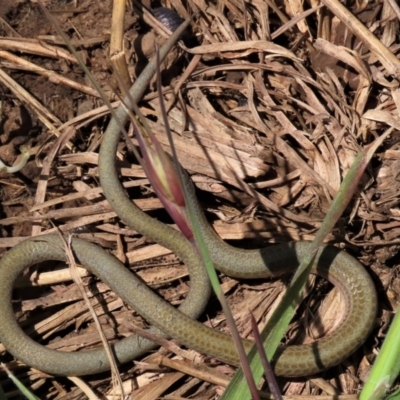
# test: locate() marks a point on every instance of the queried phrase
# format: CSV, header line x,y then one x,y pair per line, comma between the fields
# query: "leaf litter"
x,y
278,99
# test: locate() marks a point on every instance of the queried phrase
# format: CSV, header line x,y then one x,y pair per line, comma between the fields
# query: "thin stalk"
x,y
268,373
203,251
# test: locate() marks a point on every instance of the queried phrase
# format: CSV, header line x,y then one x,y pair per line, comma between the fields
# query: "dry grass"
x,y
276,102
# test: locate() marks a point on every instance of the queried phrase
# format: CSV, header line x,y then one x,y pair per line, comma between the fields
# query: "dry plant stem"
x,y
42,185
191,67
294,21
248,47
51,75
386,57
117,52
117,26
51,278
86,389
9,27
395,6
342,54
76,42
33,46
84,119
200,371
47,119
76,278
324,385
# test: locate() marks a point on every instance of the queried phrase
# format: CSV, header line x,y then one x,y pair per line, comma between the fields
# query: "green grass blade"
x,y
386,367
24,390
394,396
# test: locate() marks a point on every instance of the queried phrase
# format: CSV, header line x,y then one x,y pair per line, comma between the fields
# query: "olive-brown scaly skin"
x,y
335,265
